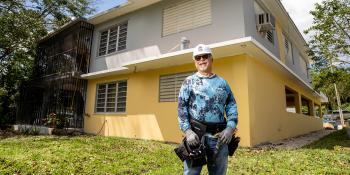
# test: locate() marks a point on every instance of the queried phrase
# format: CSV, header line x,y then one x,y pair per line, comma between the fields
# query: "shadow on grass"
x,y
338,138
9,133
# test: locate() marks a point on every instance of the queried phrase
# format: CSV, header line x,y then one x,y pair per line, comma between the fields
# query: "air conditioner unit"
x,y
264,22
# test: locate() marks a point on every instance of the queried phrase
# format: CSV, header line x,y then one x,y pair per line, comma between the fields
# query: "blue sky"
x,y
102,5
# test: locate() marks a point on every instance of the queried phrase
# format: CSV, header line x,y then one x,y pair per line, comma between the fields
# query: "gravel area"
x,y
295,142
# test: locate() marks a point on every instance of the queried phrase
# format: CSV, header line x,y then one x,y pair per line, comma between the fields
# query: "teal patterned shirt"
x,y
206,99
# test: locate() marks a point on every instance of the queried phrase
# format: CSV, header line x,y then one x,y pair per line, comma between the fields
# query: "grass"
x,y
110,155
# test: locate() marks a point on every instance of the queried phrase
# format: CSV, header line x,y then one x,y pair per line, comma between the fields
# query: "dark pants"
x,y
217,165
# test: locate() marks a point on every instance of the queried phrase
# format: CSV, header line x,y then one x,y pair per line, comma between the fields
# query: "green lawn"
x,y
110,155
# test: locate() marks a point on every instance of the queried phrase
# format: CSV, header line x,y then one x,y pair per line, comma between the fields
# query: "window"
x,y
291,100
286,45
169,86
111,97
259,9
269,36
186,15
306,69
304,66
305,106
317,110
288,49
113,39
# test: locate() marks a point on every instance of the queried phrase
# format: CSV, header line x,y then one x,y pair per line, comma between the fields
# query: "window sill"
x,y
109,113
110,54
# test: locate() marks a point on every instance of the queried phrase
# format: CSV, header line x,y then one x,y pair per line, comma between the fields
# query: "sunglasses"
x,y
199,57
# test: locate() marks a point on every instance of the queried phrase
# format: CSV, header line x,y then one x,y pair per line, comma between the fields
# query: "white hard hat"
x,y
201,49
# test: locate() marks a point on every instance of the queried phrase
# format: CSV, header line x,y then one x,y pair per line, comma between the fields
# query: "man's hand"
x,y
191,138
226,135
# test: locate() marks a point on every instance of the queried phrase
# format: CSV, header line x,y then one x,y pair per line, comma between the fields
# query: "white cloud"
x,y
299,11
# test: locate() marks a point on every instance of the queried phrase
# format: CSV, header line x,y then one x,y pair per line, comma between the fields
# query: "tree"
x,y
330,43
22,24
330,33
324,79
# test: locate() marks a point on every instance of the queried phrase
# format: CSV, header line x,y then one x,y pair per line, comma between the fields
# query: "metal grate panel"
x,y
169,86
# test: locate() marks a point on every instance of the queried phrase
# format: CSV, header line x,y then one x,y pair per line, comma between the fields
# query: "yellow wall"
x,y
269,119
280,39
259,92
147,118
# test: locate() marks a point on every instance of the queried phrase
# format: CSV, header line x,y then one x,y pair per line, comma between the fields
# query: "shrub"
x,y
54,120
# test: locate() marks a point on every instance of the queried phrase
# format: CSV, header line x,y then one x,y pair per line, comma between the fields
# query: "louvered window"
x,y
269,36
113,39
288,49
286,44
304,66
111,97
186,15
169,86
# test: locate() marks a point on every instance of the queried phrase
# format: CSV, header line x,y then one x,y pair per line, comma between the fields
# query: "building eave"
x,y
108,72
324,98
241,46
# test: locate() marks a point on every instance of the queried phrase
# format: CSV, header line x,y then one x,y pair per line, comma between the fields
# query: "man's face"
x,y
204,63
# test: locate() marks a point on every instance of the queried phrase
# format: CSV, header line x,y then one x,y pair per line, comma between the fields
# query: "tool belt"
x,y
197,155
200,127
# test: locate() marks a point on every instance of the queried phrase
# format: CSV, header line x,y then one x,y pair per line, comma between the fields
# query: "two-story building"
x,y
142,51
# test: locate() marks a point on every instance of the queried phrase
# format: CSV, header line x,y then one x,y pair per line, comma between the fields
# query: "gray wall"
x,y
231,19
299,66
145,39
250,28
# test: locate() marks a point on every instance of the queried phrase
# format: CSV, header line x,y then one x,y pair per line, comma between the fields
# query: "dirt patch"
x,y
8,133
67,132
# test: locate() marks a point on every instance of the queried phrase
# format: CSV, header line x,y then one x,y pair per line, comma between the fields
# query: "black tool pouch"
x,y
197,156
198,128
181,150
233,145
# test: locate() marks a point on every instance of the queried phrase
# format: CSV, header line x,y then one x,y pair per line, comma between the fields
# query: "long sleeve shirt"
x,y
206,99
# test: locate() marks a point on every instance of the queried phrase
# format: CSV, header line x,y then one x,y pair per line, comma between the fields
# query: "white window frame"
x,y
116,102
108,38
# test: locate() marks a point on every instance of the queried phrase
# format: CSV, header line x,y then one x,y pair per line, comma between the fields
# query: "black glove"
x,y
191,138
226,135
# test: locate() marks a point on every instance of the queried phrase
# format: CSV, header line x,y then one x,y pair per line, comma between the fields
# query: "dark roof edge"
x,y
62,28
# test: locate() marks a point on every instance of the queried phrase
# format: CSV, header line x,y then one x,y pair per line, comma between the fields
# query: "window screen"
x,y
111,97
113,39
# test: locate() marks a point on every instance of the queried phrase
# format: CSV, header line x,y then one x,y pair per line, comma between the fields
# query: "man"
x,y
204,97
